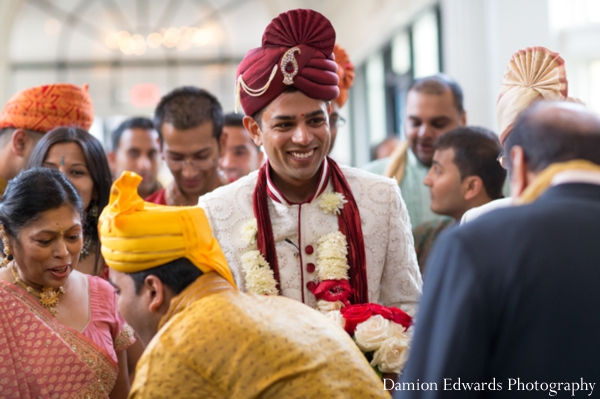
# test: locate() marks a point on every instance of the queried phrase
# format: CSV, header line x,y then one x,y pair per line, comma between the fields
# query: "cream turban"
x,y
532,74
138,235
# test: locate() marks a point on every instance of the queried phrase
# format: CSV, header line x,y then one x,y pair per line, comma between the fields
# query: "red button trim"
x,y
311,285
309,249
310,267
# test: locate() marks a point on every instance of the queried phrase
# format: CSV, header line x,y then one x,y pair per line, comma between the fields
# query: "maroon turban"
x,y
297,50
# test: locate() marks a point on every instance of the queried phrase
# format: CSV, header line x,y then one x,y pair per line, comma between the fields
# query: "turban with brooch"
x,y
137,235
535,73
345,72
44,108
296,51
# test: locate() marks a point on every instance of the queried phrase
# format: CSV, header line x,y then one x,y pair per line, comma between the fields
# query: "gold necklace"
x,y
48,296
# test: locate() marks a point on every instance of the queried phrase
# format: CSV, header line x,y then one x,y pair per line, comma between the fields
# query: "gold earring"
x,y
7,251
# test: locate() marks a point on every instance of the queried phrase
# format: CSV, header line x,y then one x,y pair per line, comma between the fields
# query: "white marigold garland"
x,y
332,263
332,250
259,275
249,232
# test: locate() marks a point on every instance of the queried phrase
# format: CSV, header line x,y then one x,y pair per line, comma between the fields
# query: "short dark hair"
x,y
187,107
138,122
233,119
96,164
476,152
177,275
33,192
549,140
438,84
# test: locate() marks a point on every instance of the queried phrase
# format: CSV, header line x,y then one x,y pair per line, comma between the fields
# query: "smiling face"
x,y
192,155
68,158
46,250
294,131
428,116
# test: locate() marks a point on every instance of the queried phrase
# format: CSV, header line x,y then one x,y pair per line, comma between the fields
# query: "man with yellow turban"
x,y
35,111
512,295
203,337
325,234
532,74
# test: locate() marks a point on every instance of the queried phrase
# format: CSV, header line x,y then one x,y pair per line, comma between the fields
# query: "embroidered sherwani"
x,y
392,272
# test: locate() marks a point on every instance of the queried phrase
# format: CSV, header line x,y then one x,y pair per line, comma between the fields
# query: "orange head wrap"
x,y
345,73
44,108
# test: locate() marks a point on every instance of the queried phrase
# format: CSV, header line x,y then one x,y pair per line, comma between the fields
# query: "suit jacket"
x,y
513,295
392,271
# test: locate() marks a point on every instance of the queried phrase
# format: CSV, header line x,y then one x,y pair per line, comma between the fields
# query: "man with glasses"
x,y
345,73
189,122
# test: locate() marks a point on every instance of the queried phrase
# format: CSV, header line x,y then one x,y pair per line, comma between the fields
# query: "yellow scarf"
x,y
544,180
397,164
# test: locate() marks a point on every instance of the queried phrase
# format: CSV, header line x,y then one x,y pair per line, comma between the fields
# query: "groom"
x,y
279,226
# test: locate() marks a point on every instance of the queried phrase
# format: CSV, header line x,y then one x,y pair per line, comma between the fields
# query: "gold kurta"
x,y
217,342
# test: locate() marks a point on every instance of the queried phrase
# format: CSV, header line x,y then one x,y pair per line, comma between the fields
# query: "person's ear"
x,y
222,144
518,172
155,289
253,129
463,118
112,162
472,186
19,142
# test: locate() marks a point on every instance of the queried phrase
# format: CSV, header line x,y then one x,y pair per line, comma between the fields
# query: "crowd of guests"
x,y
257,211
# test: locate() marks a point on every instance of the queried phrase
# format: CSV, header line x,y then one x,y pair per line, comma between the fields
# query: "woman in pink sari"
x,y
60,333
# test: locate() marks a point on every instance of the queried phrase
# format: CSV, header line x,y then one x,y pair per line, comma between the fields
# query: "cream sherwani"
x,y
392,272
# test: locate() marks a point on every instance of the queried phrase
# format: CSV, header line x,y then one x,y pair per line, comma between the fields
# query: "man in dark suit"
x,y
511,304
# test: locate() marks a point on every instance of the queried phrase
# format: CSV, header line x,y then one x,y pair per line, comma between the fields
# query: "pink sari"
x,y
40,358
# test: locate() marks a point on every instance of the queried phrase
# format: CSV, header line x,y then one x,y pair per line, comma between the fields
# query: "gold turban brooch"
x,y
138,235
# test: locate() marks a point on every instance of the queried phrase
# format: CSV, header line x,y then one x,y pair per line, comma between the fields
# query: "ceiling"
x,y
46,32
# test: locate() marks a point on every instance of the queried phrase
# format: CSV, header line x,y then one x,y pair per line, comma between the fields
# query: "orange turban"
x,y
345,73
532,74
44,108
137,235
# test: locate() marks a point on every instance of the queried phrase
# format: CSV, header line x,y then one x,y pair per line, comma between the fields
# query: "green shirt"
x,y
414,192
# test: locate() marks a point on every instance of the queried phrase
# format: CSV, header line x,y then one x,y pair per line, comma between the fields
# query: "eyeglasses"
x,y
336,120
175,164
502,160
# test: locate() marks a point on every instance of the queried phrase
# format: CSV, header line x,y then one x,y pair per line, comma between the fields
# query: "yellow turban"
x,y
532,74
138,235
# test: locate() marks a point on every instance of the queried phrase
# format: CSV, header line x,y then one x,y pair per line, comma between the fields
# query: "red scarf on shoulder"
x,y
348,224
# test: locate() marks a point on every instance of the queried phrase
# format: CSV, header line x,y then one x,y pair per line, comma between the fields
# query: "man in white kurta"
x,y
285,88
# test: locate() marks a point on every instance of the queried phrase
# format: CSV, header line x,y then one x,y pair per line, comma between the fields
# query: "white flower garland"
x,y
259,275
332,202
332,263
249,232
332,250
